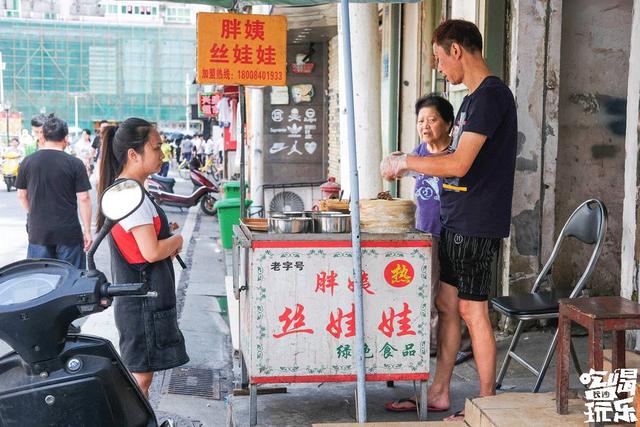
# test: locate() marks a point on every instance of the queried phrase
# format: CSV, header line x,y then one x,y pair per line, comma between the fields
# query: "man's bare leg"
x,y
476,315
448,345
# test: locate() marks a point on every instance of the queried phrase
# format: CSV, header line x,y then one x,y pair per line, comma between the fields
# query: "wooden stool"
x,y
597,315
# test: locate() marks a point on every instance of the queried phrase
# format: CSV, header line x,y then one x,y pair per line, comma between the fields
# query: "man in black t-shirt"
x,y
52,185
475,208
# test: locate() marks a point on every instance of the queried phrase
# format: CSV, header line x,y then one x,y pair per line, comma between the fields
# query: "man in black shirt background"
x,y
52,185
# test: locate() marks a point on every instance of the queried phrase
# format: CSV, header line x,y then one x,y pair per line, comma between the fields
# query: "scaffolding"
x,y
111,71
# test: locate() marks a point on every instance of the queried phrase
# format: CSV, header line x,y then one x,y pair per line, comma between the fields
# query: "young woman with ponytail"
x,y
142,248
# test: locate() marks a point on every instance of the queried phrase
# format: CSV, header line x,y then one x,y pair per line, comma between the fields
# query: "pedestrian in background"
x,y
27,143
177,144
200,147
37,122
167,151
142,248
84,150
209,150
96,145
52,187
187,147
97,139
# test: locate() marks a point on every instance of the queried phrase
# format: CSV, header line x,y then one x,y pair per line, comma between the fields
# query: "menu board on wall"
x,y
295,128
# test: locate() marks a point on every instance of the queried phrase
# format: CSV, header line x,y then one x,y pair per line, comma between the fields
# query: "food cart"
x,y
296,296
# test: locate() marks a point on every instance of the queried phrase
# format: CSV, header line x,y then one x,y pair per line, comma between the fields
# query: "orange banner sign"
x,y
242,49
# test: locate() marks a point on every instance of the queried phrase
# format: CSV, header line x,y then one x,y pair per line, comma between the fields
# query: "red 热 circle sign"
x,y
399,273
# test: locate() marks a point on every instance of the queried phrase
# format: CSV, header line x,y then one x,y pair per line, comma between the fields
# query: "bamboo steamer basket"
x,y
387,216
334,205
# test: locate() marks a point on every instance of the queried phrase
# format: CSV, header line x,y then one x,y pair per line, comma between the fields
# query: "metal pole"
x,y
75,110
186,103
243,120
395,15
2,65
7,113
355,218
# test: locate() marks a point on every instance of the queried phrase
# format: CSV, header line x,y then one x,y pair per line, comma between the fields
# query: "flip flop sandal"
x,y
392,406
463,356
457,416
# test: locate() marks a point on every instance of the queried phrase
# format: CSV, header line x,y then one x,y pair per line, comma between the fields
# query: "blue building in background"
x,y
128,59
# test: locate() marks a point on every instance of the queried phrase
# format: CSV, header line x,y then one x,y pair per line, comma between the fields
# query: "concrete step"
x,y
522,409
406,424
632,360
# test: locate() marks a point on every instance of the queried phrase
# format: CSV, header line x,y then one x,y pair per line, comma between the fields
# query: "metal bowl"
x,y
332,222
289,225
289,214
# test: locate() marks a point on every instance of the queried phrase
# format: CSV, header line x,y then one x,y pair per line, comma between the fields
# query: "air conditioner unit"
x,y
291,198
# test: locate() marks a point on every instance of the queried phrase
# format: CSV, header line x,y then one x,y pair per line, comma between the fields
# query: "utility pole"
x,y
75,110
4,106
7,108
2,66
75,107
187,83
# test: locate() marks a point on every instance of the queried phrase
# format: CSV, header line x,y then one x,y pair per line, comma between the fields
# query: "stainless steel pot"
x,y
289,225
290,214
332,222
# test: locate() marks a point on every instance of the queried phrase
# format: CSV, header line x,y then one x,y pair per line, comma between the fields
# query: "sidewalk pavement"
x,y
307,404
194,394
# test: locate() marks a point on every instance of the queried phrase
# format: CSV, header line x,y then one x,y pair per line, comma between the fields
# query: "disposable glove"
x,y
394,166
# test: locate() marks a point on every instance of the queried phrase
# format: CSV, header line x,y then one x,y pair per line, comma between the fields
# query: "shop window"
x,y
13,9
178,15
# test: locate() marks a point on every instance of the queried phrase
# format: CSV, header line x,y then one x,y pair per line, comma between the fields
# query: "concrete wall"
x,y
591,151
630,236
534,70
410,89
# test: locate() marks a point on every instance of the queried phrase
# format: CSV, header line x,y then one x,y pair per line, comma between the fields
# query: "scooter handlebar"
x,y
128,289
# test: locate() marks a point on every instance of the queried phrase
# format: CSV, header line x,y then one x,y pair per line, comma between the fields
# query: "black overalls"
x,y
150,339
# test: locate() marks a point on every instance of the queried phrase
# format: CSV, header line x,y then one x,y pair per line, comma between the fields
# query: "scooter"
x,y
205,196
161,182
204,192
10,167
199,179
52,378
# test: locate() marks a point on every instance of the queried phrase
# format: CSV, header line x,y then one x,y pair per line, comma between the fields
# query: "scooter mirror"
x,y
121,199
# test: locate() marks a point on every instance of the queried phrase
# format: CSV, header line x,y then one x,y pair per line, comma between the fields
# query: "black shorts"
x,y
465,262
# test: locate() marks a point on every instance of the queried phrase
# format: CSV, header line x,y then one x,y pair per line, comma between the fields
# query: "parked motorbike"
x,y
204,196
10,167
199,179
161,182
204,192
52,378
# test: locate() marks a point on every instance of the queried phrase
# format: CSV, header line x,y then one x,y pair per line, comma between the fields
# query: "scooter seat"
x,y
163,179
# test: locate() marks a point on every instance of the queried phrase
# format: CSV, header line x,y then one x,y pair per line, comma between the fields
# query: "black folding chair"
x,y
587,224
